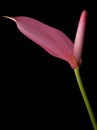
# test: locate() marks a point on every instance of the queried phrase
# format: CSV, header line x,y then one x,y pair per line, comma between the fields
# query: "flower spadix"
x,y
54,41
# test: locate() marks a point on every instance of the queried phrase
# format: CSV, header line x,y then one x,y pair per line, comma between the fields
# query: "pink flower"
x,y
53,40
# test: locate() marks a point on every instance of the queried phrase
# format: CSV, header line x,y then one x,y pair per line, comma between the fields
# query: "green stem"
x,y
85,98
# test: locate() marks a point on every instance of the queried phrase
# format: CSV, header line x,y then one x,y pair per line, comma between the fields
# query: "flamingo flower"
x,y
54,41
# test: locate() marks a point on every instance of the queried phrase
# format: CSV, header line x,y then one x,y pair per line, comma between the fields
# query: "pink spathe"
x,y
53,40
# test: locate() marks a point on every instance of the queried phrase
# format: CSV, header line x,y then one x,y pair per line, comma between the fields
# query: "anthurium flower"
x,y
53,40
59,45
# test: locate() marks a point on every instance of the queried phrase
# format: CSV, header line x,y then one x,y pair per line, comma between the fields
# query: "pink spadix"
x,y
53,40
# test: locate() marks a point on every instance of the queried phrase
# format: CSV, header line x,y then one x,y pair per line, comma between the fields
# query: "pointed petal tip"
x,y
84,11
84,15
10,18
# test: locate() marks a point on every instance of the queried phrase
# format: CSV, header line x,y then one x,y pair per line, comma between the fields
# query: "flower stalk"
x,y
85,98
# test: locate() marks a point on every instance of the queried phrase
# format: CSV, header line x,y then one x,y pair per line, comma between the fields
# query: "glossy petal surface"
x,y
54,41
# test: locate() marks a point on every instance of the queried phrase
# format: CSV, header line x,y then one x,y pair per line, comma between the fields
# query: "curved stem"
x,y
85,98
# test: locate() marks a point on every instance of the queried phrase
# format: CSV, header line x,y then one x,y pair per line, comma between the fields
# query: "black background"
x,y
39,91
